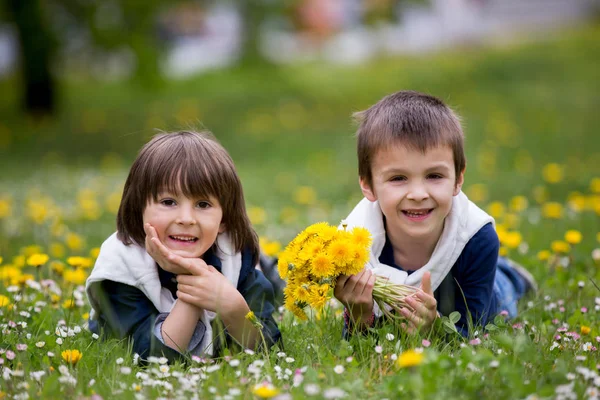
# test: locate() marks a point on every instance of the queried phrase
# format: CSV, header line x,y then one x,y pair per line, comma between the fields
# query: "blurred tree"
x,y
36,46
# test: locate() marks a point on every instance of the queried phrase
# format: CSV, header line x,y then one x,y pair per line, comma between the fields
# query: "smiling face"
x,y
187,226
414,190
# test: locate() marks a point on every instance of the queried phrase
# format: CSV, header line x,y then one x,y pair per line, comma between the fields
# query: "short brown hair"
x,y
191,162
416,120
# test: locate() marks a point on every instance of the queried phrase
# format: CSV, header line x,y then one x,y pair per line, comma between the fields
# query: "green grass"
x,y
523,107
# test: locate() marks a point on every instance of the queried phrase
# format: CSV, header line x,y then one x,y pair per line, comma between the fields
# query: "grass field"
x,y
530,114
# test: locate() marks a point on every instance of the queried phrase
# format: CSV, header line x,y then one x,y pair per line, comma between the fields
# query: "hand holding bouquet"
x,y
312,262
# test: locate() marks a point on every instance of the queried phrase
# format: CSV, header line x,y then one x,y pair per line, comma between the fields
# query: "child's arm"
x,y
204,288
356,293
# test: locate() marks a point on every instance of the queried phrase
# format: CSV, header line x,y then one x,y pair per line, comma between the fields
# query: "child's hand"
x,y
160,253
356,293
208,289
425,308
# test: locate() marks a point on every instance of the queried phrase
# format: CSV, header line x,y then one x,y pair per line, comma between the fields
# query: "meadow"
x,y
530,113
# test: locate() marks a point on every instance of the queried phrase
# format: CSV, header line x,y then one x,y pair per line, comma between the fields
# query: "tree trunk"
x,y
36,46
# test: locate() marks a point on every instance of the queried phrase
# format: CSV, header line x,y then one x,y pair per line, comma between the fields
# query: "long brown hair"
x,y
198,166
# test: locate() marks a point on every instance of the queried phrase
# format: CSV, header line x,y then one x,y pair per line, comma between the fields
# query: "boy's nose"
x,y
417,193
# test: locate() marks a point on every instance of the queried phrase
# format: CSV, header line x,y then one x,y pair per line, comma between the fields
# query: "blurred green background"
x,y
529,106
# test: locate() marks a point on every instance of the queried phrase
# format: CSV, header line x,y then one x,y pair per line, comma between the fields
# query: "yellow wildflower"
x,y
9,272
576,201
573,237
477,193
301,293
543,255
409,358
502,251
553,173
94,252
361,256
361,236
519,203
257,215
265,390
57,250
340,251
74,241
512,239
4,301
305,195
595,185
540,194
585,330
1,259
496,209
552,210
288,215
71,356
5,208
36,260
558,246
322,266
82,262
318,296
31,250
69,303
75,276
57,266
21,279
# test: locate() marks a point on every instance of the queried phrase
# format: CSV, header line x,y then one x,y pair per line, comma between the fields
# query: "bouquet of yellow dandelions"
x,y
312,262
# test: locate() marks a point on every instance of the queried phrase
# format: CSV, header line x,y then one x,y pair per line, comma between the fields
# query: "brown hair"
x,y
416,120
196,164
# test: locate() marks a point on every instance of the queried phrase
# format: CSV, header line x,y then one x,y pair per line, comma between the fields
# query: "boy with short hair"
x,y
426,232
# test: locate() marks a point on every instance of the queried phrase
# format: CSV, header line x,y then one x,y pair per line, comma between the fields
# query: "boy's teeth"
x,y
416,214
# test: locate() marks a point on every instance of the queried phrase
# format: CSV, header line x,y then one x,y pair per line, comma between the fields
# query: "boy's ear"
x,y
460,179
222,227
368,192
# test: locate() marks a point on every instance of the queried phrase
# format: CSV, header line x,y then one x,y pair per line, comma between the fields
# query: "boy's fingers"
x,y
429,301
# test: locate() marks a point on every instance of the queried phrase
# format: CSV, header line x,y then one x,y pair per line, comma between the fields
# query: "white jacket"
x,y
133,266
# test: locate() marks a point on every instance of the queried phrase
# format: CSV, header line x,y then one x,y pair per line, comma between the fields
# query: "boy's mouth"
x,y
185,239
417,213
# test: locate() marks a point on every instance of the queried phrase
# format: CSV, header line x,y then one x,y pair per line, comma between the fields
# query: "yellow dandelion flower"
x,y
1,259
502,251
265,390
71,356
94,252
553,173
257,215
57,250
361,236
552,210
576,201
585,330
301,293
283,266
519,203
478,193
4,301
81,262
512,239
57,267
305,195
543,255
318,296
37,260
31,250
74,241
75,276
21,279
409,358
19,261
340,252
310,250
573,237
322,266
297,311
9,272
595,185
558,246
496,209
68,304
361,256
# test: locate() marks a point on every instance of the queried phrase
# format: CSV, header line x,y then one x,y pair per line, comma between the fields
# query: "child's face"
x,y
414,189
187,226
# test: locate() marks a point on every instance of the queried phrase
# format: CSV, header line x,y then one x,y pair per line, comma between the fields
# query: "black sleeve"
x,y
126,313
258,293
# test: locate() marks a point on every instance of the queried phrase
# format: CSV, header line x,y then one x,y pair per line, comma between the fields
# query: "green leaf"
x,y
454,316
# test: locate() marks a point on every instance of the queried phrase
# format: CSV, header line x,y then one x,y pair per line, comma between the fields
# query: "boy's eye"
x,y
435,176
398,178
203,204
167,202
